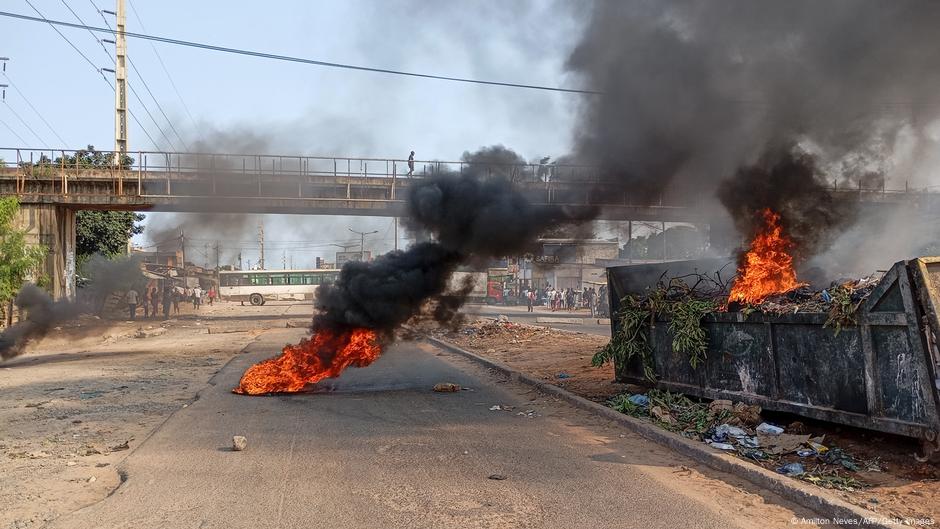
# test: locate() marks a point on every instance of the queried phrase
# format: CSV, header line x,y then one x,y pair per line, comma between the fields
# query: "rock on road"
x,y
378,448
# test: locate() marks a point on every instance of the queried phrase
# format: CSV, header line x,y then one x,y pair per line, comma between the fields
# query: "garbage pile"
x,y
502,327
737,428
807,299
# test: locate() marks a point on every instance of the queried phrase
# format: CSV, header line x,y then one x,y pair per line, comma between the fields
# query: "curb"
x,y
789,489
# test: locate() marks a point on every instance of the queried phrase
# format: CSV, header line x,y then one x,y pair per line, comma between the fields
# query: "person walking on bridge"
x,y
411,163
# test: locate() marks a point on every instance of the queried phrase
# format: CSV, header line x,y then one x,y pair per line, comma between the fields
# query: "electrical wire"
x,y
28,102
301,60
142,80
129,84
160,59
106,80
4,123
23,121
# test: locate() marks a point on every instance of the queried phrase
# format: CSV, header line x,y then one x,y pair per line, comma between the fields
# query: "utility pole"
x,y
205,256
261,243
362,242
284,260
120,85
217,264
396,233
182,250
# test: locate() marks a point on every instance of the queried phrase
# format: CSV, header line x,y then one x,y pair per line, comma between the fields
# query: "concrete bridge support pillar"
x,y
54,227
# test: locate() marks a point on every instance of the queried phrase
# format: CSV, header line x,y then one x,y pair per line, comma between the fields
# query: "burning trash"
x,y
325,355
768,264
359,313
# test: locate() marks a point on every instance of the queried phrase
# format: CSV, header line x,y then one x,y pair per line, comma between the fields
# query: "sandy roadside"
x,y
79,401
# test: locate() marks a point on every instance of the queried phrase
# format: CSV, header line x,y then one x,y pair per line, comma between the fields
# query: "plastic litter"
x,y
769,429
496,408
446,387
818,448
826,297
726,430
721,446
562,375
806,452
639,400
792,469
749,442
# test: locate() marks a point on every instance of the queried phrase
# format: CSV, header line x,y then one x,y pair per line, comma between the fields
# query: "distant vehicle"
x,y
260,286
478,279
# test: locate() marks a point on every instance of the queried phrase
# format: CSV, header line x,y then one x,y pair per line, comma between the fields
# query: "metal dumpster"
x,y
881,374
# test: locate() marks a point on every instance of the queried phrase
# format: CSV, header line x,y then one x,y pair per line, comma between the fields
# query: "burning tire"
x,y
256,299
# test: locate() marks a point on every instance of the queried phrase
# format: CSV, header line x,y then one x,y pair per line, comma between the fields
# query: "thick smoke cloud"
x,y
42,313
695,91
788,182
470,216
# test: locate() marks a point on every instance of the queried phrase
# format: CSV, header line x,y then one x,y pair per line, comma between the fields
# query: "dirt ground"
x,y
81,399
901,487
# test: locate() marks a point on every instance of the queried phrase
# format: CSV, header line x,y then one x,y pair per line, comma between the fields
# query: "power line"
x,y
74,47
301,60
28,102
139,76
162,64
130,86
23,121
4,123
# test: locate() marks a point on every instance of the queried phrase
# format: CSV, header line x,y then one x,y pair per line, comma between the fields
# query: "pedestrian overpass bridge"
x,y
53,185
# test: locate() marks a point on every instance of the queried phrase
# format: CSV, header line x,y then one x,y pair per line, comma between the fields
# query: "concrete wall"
x,y
54,227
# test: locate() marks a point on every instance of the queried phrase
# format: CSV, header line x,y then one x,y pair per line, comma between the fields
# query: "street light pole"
x,y
362,241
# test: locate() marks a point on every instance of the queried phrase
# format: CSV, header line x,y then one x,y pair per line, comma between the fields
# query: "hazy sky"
x,y
297,108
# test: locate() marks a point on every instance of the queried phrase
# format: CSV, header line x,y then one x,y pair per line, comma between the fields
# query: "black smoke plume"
x,y
42,313
470,217
788,182
698,96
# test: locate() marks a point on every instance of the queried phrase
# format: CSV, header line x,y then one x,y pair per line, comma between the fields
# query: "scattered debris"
x,y
496,407
729,427
446,387
562,375
768,429
497,477
792,469
123,446
239,443
92,479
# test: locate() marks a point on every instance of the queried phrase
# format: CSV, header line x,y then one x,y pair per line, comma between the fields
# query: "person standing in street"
x,y
530,296
154,302
411,163
197,297
167,301
146,302
132,299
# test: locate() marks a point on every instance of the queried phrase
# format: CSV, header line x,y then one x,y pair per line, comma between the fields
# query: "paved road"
x,y
377,448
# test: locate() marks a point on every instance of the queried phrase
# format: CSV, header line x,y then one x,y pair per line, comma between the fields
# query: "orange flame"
x,y
324,355
768,265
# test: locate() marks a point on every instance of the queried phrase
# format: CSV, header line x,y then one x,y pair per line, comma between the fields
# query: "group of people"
x,y
569,299
169,298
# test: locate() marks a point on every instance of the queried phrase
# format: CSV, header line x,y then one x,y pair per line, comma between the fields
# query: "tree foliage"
x,y
105,232
18,260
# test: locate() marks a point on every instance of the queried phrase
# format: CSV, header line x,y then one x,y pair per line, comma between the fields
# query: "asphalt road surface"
x,y
378,448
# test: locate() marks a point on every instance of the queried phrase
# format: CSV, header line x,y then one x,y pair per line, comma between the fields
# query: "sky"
x,y
300,109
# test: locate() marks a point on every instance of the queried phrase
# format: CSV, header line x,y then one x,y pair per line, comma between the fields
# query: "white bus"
x,y
259,286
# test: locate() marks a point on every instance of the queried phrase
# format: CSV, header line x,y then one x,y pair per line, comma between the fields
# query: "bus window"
x,y
330,277
259,279
295,279
278,279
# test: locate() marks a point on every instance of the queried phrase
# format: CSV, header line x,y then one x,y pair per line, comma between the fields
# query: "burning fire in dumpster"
x,y
325,355
767,266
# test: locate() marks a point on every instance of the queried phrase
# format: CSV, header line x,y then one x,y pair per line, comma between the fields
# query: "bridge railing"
x,y
54,171
183,164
